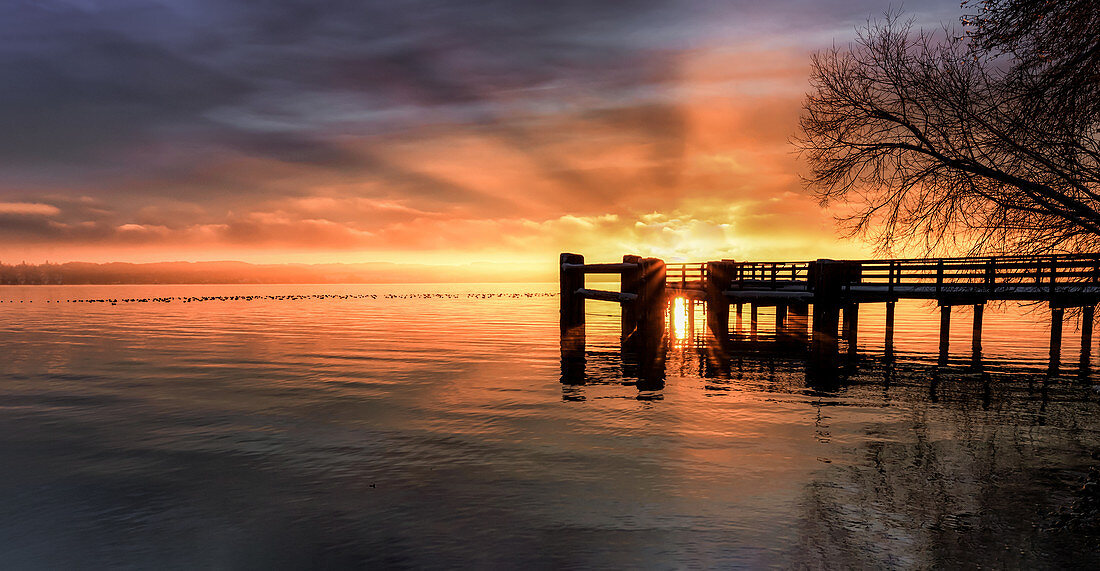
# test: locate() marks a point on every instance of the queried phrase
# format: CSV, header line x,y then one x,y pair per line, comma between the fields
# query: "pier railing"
x,y
766,274
686,276
1001,277
1015,277
769,274
835,286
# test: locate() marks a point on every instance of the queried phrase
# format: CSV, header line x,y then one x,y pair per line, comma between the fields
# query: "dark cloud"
x,y
73,94
82,80
177,115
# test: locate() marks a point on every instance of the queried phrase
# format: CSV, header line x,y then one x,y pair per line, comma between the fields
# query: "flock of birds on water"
x,y
297,297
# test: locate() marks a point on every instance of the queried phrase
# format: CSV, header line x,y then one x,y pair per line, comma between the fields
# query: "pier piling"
x,y
798,323
945,333
888,342
572,320
572,305
976,335
1056,315
651,300
1087,315
781,324
718,278
825,276
631,282
851,328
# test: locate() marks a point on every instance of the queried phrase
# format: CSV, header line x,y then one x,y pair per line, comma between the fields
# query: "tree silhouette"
x,y
936,140
1054,44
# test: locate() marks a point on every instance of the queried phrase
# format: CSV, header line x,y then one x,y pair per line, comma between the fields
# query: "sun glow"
x,y
680,319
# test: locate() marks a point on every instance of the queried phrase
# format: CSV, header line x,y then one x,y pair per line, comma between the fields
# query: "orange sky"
x,y
193,130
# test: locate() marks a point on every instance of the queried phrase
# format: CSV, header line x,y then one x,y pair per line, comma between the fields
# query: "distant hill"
x,y
245,273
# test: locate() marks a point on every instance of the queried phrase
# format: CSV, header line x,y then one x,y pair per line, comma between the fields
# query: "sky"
x,y
425,132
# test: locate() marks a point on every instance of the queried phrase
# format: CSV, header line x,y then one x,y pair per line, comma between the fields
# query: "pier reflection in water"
x,y
921,462
1017,333
425,426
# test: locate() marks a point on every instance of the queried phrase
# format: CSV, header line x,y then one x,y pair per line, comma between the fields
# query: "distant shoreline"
x,y
524,282
243,273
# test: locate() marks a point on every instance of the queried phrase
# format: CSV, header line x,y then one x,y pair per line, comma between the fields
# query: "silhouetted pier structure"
x,y
835,290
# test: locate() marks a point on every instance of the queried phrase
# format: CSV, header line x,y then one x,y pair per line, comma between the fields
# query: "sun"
x,y
680,319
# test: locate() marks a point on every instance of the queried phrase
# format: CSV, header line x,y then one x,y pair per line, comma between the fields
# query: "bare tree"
x,y
924,144
1054,43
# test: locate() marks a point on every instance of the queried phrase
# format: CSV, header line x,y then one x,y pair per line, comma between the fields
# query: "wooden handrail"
x,y
603,295
599,268
985,273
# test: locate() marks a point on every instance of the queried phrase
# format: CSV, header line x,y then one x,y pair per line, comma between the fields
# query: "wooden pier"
x,y
832,288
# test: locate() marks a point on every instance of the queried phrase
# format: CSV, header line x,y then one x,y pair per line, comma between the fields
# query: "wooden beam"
x,y
603,295
775,296
599,268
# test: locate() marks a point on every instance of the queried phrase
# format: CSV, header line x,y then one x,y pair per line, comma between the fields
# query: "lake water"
x,y
427,431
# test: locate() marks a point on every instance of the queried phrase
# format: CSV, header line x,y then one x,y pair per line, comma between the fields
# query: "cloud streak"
x,y
488,129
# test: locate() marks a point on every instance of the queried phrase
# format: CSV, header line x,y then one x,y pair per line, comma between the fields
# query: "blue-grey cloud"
x,y
112,109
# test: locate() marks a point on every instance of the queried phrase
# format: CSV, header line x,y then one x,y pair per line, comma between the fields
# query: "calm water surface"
x,y
434,432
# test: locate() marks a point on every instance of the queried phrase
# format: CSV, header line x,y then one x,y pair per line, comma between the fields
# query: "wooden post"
x,y
845,321
644,342
689,305
1056,315
716,359
825,278
651,308
739,325
889,341
641,306
1053,274
945,333
781,324
798,323
1087,314
631,283
718,306
571,320
851,314
976,335
752,321
572,305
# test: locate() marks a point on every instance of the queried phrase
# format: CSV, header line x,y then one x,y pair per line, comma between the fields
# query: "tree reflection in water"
x,y
951,465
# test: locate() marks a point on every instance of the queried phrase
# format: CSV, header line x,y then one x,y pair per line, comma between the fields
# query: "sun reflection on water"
x,y
679,319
